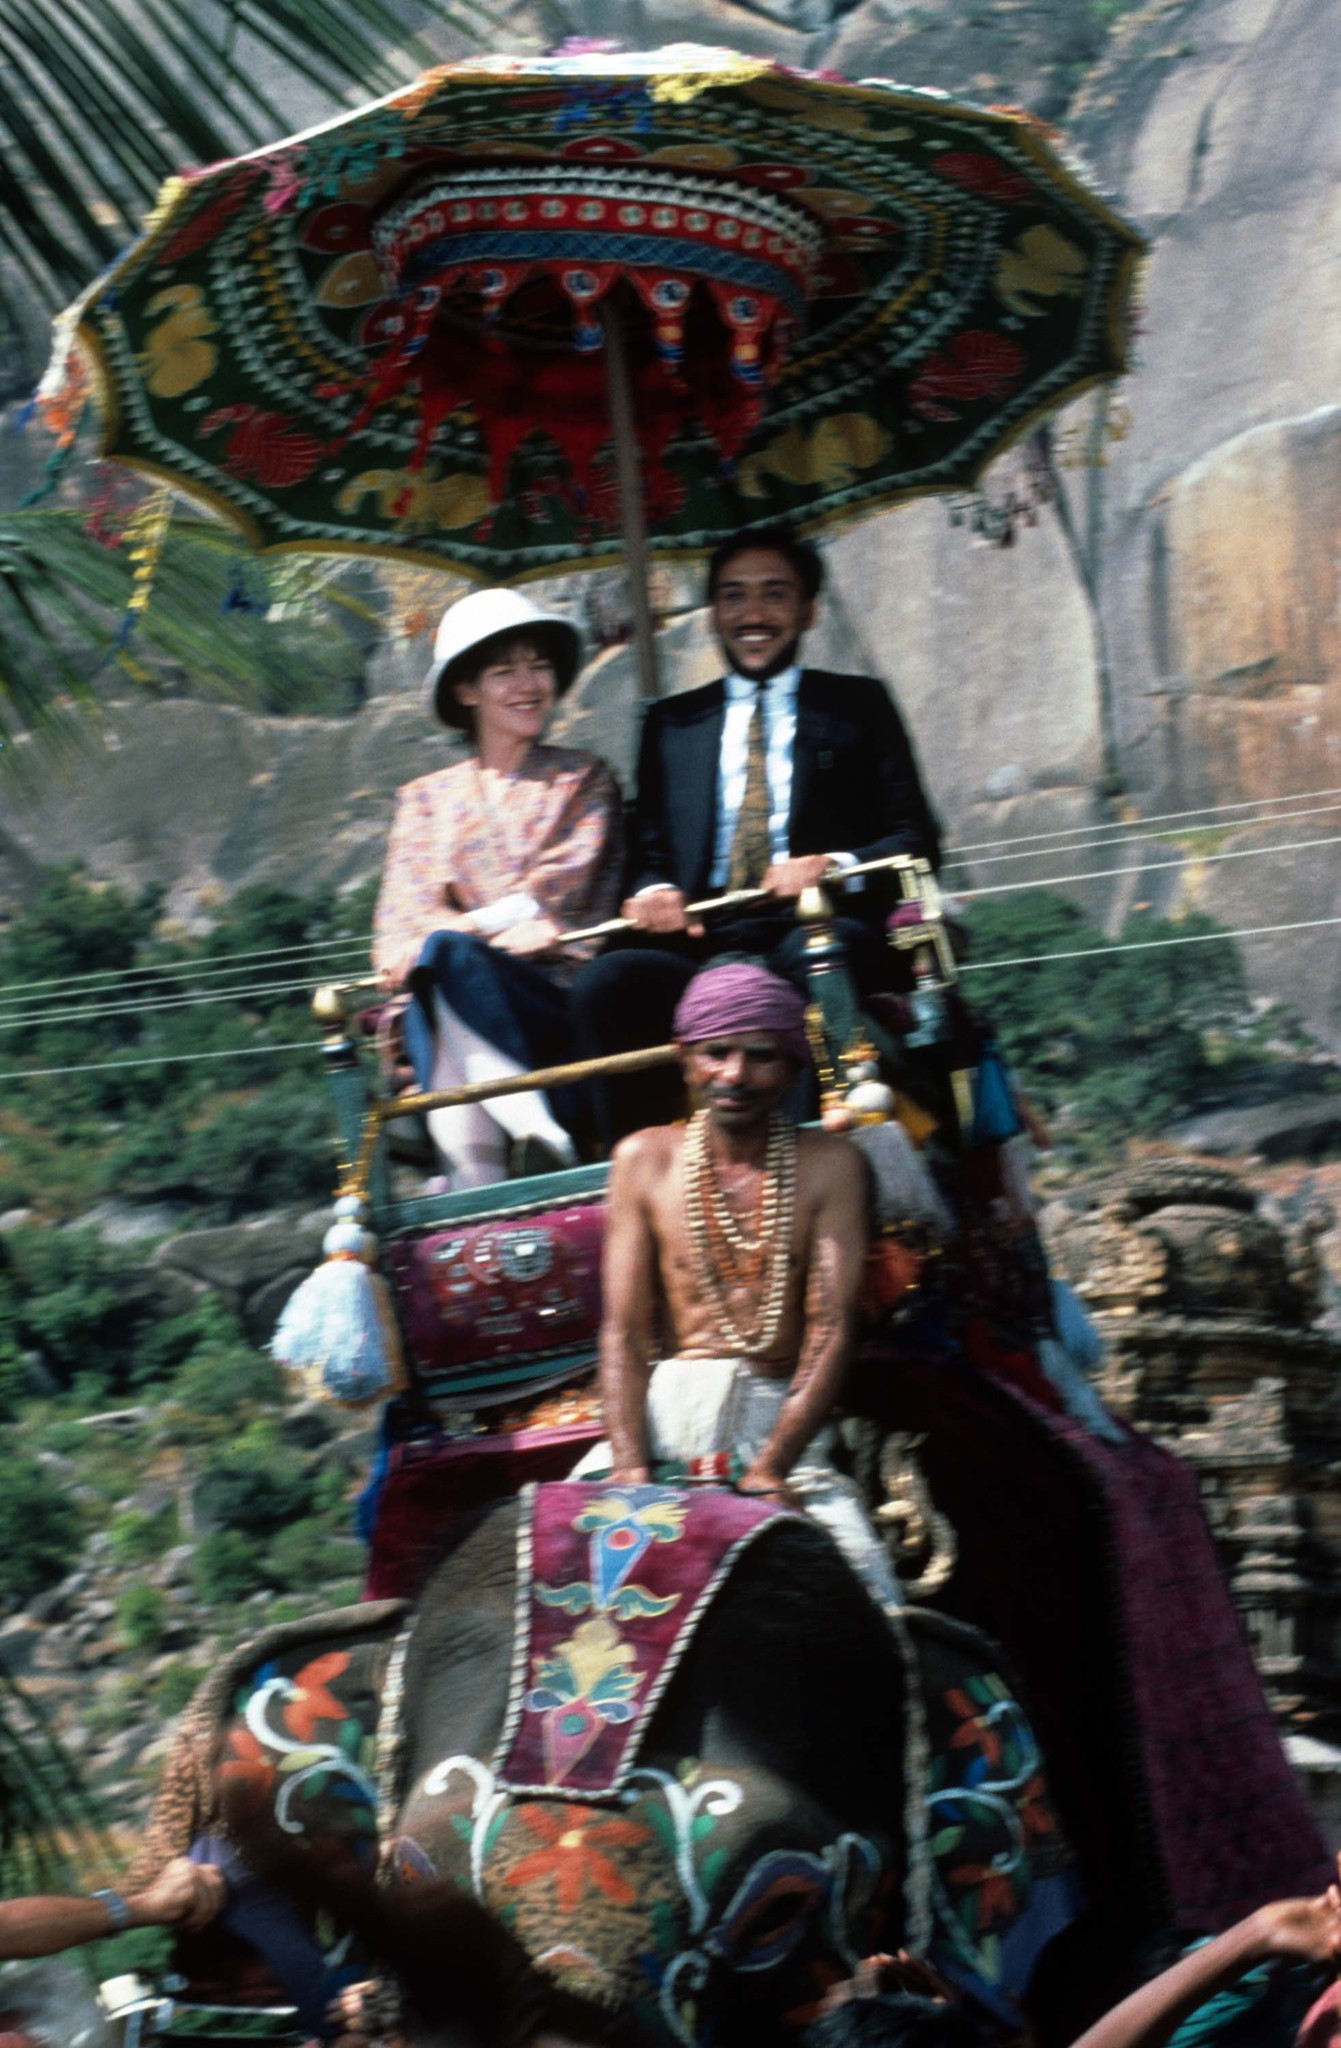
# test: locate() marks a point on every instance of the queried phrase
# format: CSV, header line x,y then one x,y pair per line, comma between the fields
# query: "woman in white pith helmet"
x,y
489,862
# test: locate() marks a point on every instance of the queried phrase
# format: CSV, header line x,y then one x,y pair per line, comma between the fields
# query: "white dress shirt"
x,y
732,763
780,694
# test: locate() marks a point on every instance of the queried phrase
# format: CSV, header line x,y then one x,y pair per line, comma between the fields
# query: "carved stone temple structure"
x,y
1211,1316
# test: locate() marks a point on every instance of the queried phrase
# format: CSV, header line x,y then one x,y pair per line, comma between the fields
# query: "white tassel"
x,y
337,1337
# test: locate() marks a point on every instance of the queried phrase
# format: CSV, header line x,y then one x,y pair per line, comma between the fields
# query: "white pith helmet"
x,y
487,615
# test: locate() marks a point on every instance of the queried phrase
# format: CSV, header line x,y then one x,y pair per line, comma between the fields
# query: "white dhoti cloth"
x,y
702,1407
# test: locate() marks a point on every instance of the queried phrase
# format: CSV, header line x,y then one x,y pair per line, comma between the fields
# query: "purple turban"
x,y
723,1001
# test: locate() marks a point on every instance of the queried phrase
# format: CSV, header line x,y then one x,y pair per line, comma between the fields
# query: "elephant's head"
x,y
754,1850
701,1891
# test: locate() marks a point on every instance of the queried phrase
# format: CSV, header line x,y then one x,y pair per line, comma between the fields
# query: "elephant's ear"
x,y
53,1834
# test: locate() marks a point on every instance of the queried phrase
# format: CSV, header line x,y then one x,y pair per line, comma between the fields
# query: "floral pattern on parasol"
x,y
384,335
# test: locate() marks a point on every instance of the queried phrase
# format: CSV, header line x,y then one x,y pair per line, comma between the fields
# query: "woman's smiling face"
x,y
512,695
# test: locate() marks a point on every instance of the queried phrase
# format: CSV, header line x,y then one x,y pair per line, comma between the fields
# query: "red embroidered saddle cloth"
x,y
612,1582
502,1308
506,1307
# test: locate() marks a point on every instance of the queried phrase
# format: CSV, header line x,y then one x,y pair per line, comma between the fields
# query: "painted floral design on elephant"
x,y
640,1879
990,1817
574,1855
297,1745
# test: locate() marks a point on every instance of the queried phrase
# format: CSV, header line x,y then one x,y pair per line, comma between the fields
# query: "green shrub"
x,y
253,1489
39,1530
67,1297
174,1126
309,1553
148,1158
330,1489
13,1379
176,1686
274,1151
224,1379
76,927
90,1392
111,1462
60,1433
227,1568
135,1536
139,1952
167,1344
116,1707
284,1608
141,1616
1119,1043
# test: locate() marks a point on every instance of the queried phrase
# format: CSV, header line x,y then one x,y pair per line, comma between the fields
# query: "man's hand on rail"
x,y
660,910
791,877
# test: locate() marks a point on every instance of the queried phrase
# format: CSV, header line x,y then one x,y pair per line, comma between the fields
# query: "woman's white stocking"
x,y
473,1139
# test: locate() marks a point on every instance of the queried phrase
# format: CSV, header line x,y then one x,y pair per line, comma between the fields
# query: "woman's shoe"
x,y
531,1156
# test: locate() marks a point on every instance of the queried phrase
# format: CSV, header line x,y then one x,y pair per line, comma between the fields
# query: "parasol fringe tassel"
x,y
59,402
144,539
337,1337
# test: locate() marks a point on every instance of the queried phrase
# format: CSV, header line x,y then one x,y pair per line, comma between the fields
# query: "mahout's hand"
x,y
630,1475
761,1479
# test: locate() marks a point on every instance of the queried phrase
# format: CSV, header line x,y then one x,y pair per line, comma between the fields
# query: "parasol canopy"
x,y
389,334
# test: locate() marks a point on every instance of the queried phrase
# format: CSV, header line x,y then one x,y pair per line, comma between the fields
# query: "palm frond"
x,y
53,1833
212,621
99,102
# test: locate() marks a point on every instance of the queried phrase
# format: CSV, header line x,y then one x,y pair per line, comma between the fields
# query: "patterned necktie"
x,y
752,842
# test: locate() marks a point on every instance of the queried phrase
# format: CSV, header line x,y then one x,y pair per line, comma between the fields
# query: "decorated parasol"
x,y
402,332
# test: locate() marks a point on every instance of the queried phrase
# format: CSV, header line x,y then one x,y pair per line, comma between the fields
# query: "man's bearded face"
x,y
740,1077
759,612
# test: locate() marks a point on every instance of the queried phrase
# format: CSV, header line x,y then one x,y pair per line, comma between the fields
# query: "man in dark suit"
x,y
770,778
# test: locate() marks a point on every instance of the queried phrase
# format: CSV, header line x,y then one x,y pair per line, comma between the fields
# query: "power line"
x,y
1142,838
150,998
1146,867
157,1008
170,1059
189,969
1251,931
1159,818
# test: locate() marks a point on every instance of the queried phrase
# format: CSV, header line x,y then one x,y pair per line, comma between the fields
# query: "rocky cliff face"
x,y
1166,633
1217,516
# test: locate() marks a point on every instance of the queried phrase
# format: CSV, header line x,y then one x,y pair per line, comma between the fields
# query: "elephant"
x,y
801,1788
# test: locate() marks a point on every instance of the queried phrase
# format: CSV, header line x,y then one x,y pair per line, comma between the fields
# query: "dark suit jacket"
x,y
855,785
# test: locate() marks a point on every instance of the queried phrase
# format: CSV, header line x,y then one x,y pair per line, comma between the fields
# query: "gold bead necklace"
x,y
728,1256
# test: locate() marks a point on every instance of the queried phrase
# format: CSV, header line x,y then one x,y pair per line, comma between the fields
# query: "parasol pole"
x,y
628,469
